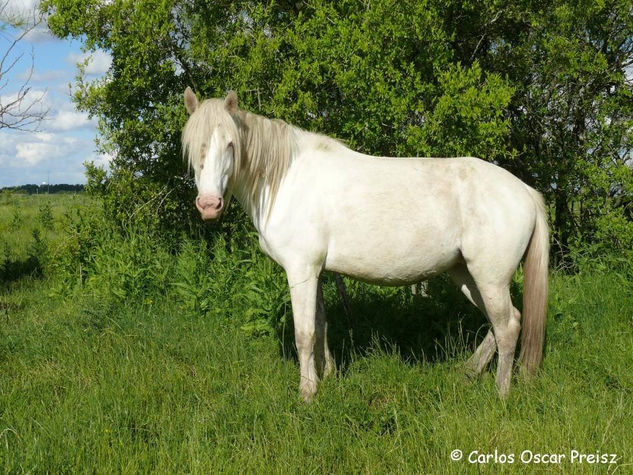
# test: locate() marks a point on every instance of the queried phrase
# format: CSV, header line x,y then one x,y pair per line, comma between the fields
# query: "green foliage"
x,y
96,179
133,267
83,230
129,264
539,89
16,220
38,249
572,116
45,216
467,117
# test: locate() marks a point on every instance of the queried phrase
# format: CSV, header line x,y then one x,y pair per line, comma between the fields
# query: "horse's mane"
x,y
264,150
269,147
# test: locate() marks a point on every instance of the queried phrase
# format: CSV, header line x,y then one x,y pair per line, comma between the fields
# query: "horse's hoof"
x,y
471,372
330,368
307,397
307,391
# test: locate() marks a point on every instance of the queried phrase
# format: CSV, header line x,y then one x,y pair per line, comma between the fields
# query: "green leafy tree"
x,y
538,87
572,112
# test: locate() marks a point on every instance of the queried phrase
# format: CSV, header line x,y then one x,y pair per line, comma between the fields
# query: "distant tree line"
x,y
32,189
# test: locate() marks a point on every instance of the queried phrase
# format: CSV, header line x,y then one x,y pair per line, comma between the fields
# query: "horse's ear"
x,y
191,101
230,103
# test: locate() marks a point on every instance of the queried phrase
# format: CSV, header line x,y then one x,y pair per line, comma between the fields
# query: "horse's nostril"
x,y
209,202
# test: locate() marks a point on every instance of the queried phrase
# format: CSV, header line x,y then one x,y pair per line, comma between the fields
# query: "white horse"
x,y
318,205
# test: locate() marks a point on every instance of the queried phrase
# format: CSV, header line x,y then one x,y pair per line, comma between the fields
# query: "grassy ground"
x,y
26,221
92,384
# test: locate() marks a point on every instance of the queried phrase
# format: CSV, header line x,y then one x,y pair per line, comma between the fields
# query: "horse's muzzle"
x,y
210,206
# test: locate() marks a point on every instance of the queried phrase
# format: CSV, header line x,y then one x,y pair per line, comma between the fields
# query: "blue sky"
x,y
65,140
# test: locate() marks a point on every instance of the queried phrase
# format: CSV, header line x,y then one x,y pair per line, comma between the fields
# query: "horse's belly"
x,y
403,260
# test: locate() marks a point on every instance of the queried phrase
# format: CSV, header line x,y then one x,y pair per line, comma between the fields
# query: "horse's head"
x,y
211,141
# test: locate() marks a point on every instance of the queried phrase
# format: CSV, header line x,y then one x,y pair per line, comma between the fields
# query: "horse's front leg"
x,y
303,293
325,362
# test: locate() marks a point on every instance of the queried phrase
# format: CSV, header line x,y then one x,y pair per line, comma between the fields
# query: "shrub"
x,y
17,219
46,216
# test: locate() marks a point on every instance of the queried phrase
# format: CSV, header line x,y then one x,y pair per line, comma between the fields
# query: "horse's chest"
x,y
266,247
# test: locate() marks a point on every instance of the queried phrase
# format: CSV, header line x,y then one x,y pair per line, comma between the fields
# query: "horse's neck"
x,y
256,208
254,195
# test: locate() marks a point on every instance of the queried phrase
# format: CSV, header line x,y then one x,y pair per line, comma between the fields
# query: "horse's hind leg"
x,y
487,348
482,356
325,361
506,327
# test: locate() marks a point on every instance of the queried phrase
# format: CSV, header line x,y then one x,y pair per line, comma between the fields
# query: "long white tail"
x,y
535,271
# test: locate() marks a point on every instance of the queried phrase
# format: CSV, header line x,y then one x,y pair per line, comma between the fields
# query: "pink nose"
x,y
210,206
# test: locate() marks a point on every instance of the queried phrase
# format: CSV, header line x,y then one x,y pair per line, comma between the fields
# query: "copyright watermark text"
x,y
532,457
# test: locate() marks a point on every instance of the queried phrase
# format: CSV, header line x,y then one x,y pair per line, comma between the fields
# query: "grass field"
x,y
95,384
26,221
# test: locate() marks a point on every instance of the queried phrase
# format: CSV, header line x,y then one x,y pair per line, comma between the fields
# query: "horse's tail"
x,y
535,271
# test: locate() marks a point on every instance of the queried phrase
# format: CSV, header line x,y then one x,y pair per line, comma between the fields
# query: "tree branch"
x,y
19,111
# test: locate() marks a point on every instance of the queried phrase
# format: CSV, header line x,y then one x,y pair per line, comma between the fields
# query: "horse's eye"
x,y
201,166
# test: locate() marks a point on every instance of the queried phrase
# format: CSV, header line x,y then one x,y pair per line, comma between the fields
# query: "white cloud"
x,y
19,9
49,76
61,116
27,14
22,5
30,153
102,160
98,62
32,158
33,152
8,141
65,120
44,136
40,34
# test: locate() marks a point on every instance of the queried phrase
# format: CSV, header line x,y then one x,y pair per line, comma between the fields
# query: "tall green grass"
x,y
181,360
32,227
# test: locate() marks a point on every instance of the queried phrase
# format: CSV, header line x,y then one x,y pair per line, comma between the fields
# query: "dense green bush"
x,y
538,87
128,259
